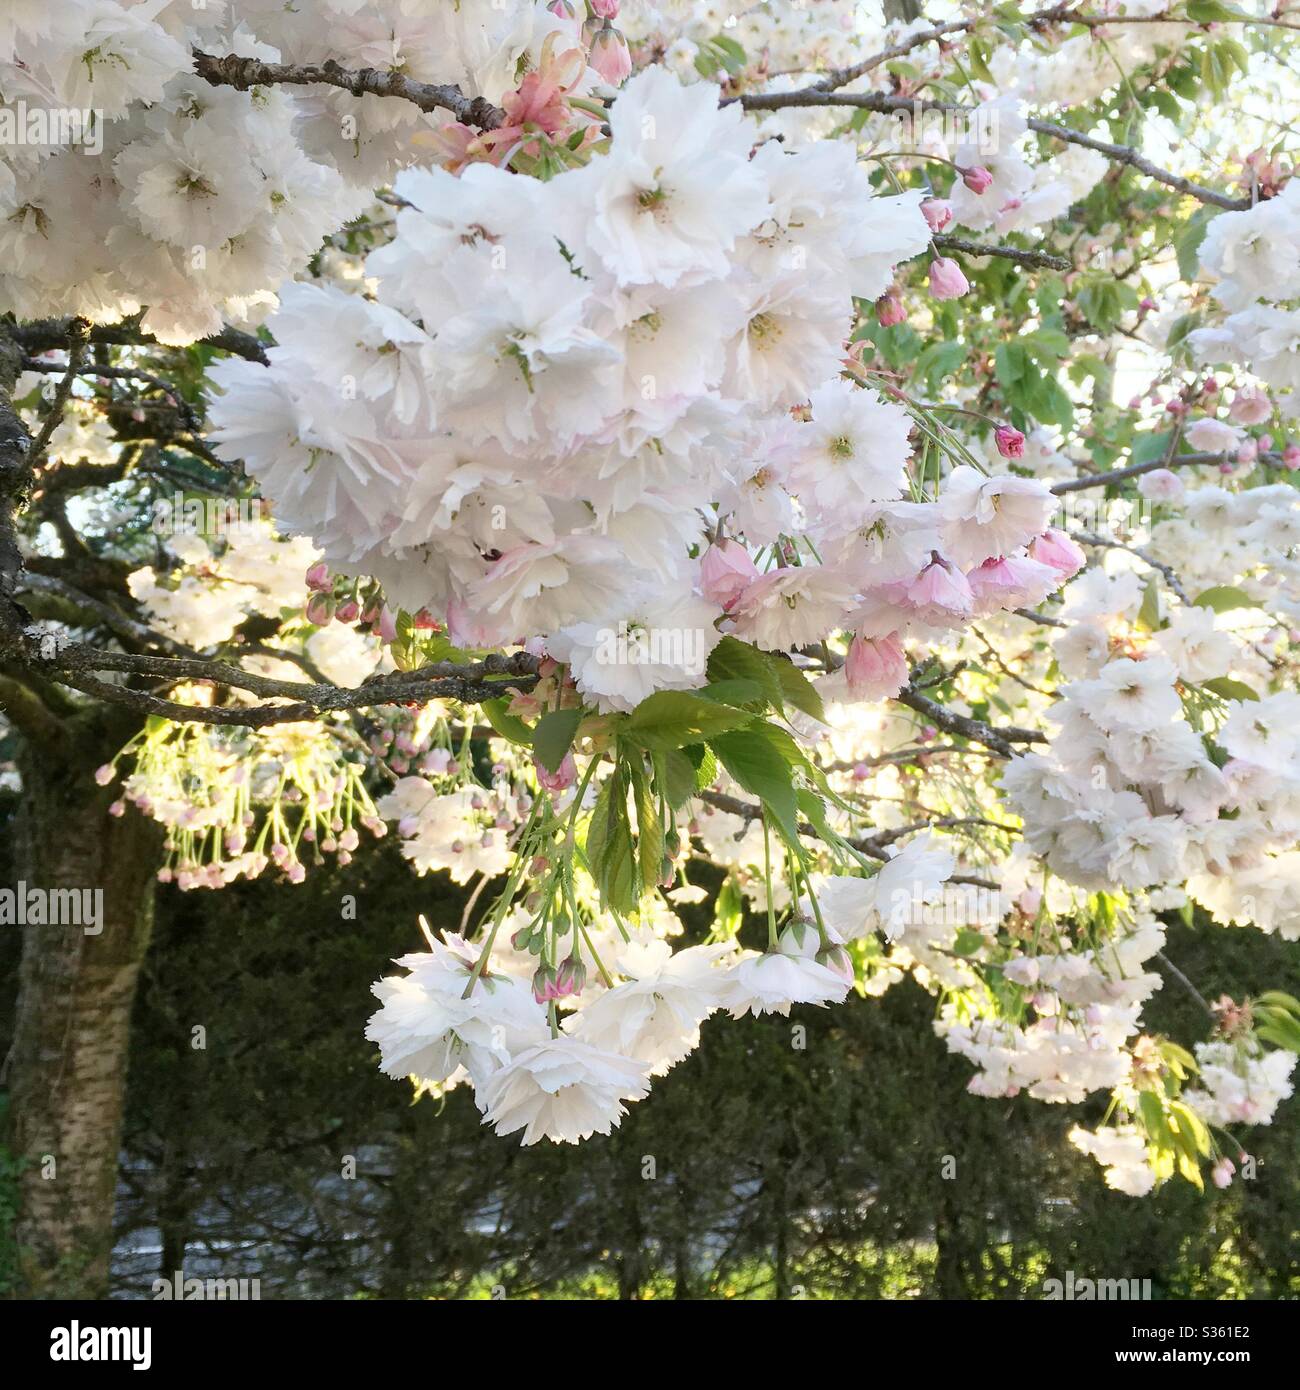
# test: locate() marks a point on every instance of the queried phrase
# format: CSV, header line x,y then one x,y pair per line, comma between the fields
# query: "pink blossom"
x,y
1221,1173
937,212
725,572
561,779
939,595
320,609
1010,582
1291,457
946,279
890,310
1010,442
1250,406
318,577
977,178
1161,485
876,667
1058,552
609,55
387,624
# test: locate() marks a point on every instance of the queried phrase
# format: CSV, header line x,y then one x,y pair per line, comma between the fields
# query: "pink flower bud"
x,y
387,624
937,212
609,55
1221,1173
890,310
977,178
946,279
605,9
104,774
560,780
1291,457
570,977
726,570
320,609
318,577
348,611
1010,442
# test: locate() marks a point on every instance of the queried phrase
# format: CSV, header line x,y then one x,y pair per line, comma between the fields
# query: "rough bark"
x,y
66,1071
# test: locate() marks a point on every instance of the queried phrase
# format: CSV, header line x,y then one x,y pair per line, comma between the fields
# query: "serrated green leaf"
x,y
553,736
674,718
799,691
608,846
733,659
649,829
752,758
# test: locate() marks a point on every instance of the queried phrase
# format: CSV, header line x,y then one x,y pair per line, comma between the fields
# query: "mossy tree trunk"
x,y
66,1070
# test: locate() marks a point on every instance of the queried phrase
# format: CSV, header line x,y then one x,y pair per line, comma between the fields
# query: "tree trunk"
x,y
66,1070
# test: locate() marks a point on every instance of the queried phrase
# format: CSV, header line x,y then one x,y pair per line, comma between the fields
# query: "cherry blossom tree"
x,y
850,448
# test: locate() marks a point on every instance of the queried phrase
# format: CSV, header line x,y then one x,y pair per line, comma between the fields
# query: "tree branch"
x,y
887,104
1010,253
243,73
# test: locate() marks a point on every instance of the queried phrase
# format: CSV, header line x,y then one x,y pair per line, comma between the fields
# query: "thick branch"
x,y
74,664
243,73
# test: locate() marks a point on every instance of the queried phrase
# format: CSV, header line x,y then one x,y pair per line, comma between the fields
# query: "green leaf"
x,y
674,718
1222,597
798,690
743,693
1228,689
609,846
733,659
729,909
649,829
1148,616
1191,1124
553,736
678,780
1208,11
753,760
509,726
813,810
1187,243
706,765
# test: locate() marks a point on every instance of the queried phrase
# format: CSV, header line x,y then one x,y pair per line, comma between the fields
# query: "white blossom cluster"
x,y
561,386
1253,258
129,184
